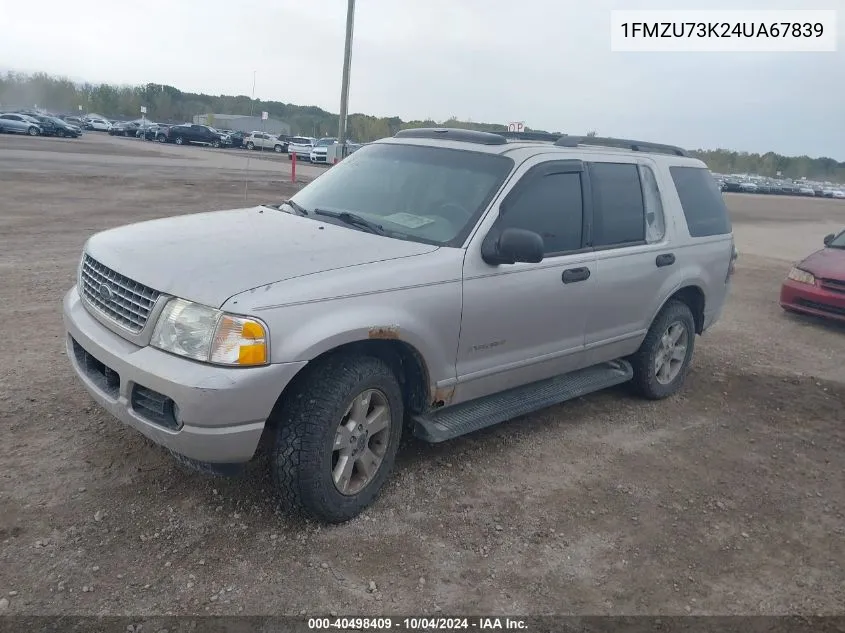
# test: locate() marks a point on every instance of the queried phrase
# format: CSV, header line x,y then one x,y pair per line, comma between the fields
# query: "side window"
x,y
618,209
551,205
655,222
702,202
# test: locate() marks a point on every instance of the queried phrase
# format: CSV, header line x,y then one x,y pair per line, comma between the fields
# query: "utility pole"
x,y
344,89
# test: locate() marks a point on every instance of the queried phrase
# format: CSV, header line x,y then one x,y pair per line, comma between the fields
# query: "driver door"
x,y
525,322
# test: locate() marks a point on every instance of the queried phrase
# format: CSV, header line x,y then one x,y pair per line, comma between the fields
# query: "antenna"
x,y
251,110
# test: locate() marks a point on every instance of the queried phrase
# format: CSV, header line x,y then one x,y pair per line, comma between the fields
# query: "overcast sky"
x,y
545,62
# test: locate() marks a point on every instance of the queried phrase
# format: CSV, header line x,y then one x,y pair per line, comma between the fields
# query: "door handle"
x,y
575,274
666,259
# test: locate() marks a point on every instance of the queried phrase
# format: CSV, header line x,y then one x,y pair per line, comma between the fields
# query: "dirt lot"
x,y
729,498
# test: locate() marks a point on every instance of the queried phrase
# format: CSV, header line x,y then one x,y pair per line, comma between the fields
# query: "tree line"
x,y
170,105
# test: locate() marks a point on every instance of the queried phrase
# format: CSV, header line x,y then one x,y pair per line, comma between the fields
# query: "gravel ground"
x,y
725,499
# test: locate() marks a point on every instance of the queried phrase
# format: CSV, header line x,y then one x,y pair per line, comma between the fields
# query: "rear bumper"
x,y
221,411
813,300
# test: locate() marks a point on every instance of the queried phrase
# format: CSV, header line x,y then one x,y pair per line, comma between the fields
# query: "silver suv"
x,y
437,282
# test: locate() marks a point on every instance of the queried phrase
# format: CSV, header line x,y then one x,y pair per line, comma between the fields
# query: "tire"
x,y
303,457
178,140
215,144
278,149
161,138
646,380
250,145
32,131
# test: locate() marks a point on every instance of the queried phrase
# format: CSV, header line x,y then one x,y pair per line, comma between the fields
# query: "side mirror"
x,y
512,246
829,238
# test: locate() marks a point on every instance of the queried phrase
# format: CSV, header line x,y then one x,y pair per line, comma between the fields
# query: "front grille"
x,y
106,378
821,307
834,285
155,407
119,298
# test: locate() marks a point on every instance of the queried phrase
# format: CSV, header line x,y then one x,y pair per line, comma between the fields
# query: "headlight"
x,y
209,335
801,276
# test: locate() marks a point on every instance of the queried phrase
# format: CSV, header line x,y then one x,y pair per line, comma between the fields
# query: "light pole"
x,y
344,88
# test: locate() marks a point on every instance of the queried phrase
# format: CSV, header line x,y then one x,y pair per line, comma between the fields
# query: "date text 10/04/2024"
x,y
418,623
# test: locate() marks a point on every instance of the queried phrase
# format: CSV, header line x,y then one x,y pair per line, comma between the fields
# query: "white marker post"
x,y
144,120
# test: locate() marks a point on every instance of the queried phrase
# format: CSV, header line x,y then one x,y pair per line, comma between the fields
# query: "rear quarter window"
x,y
704,208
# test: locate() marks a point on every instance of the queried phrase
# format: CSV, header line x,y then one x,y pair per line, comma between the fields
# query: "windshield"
x,y
838,241
425,194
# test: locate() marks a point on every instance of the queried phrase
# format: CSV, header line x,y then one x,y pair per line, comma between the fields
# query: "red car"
x,y
817,284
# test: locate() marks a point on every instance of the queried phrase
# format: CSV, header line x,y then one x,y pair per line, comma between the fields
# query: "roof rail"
x,y
531,136
622,143
453,134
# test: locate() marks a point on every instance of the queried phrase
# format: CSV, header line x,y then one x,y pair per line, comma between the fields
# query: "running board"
x,y
467,417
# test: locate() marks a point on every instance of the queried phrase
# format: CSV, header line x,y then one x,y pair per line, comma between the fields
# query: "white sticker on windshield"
x,y
409,221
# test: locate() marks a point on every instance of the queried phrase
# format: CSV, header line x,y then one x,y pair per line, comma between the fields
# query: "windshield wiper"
x,y
295,206
353,220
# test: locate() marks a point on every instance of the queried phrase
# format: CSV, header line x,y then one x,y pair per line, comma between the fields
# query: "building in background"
x,y
242,123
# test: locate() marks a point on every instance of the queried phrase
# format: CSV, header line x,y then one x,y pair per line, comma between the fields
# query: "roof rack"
x,y
453,134
531,136
622,143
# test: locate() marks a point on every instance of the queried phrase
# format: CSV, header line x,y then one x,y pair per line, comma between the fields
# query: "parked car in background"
x,y
73,120
300,146
61,128
816,285
262,140
319,152
188,133
13,123
237,138
99,125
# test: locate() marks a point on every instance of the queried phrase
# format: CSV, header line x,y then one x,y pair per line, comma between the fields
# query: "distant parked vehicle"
x,y
188,133
73,120
238,138
12,123
99,125
301,147
62,128
262,140
806,191
319,152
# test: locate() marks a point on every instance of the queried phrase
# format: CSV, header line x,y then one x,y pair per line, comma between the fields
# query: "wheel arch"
x,y
693,296
404,359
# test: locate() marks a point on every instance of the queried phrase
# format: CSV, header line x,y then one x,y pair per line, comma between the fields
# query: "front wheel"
x,y
250,145
278,149
337,437
215,144
33,131
662,362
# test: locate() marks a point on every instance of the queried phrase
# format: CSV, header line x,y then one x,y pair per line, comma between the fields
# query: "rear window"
x,y
298,140
702,202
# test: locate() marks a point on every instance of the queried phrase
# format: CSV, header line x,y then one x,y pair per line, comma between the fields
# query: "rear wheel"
x,y
178,140
662,362
337,437
250,145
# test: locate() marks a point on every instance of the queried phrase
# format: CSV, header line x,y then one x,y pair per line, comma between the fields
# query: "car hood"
x,y
828,263
208,257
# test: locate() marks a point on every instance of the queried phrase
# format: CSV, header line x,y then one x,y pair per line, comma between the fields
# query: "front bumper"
x,y
812,299
221,410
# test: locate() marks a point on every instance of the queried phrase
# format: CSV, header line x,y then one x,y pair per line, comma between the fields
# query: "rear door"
x,y
634,261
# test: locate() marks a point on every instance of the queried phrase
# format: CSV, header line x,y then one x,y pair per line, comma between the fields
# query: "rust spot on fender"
x,y
443,396
384,332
